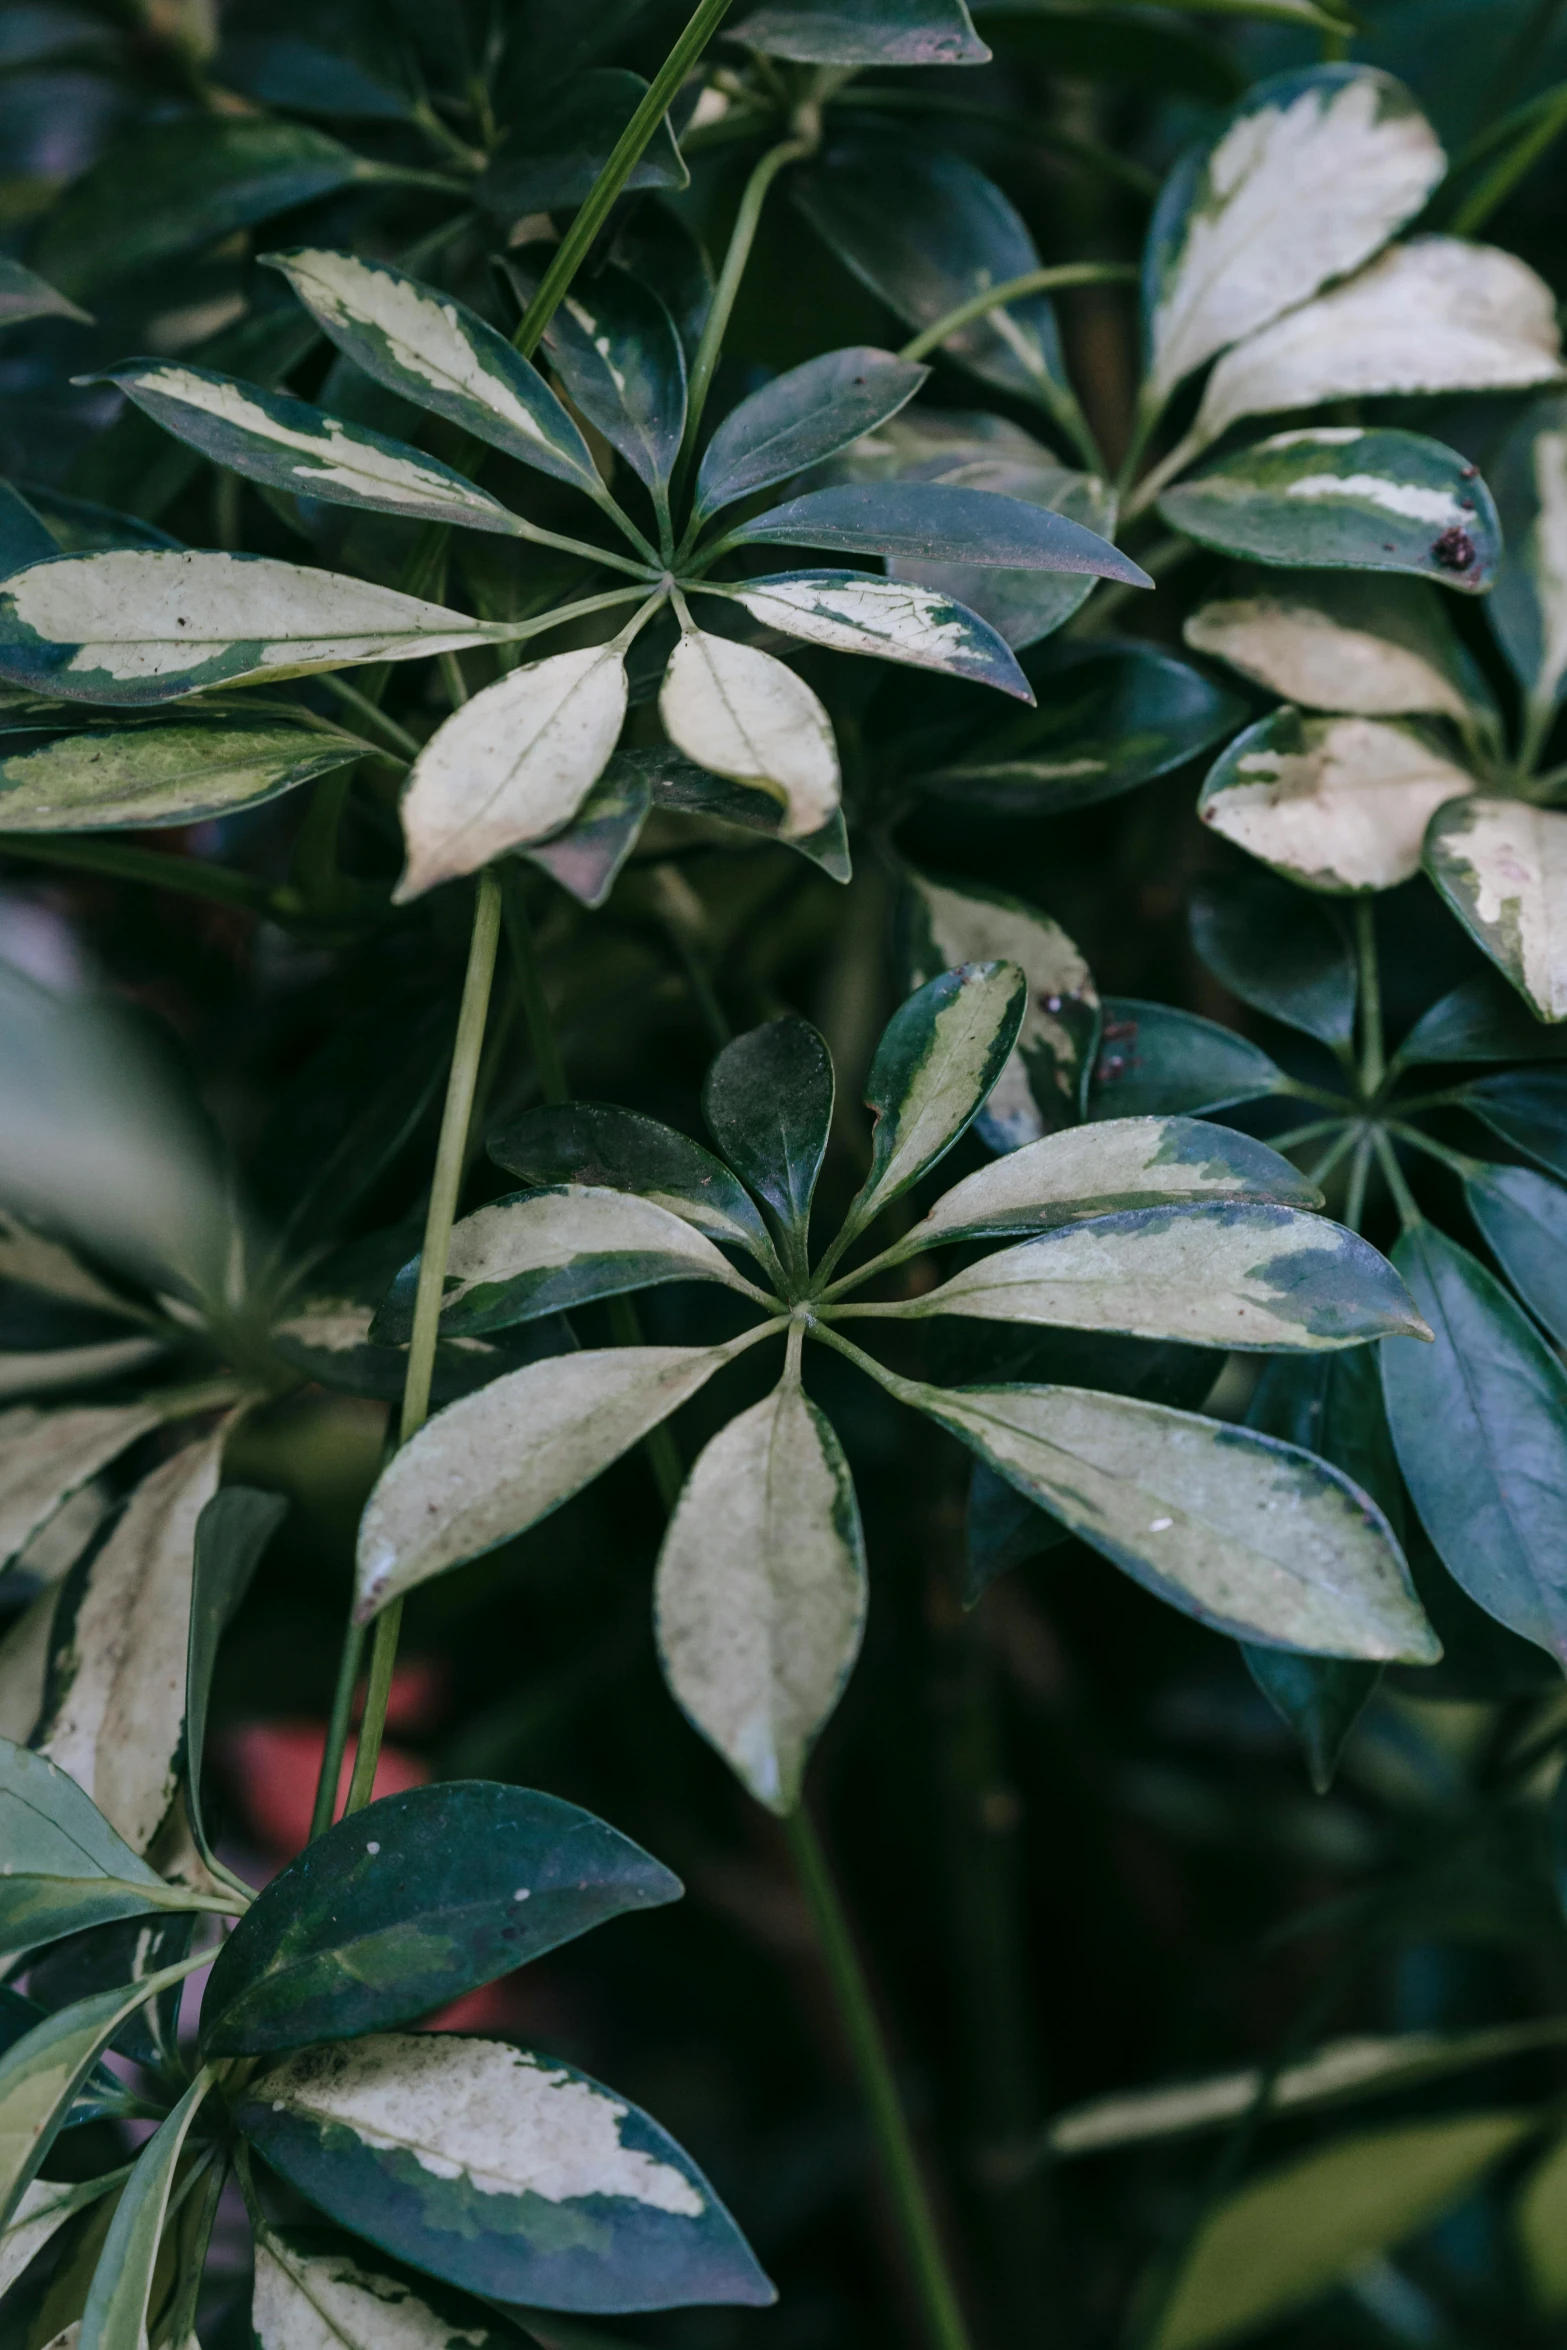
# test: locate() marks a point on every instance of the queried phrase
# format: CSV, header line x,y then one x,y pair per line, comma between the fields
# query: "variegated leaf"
x,y
511,766
1337,497
24,1667
507,2173
543,1252
940,1056
1040,1086
854,612
1372,648
1341,804
295,446
1435,315
1312,173
113,778
865,32
53,1368
1110,1168
759,1603
1502,867
747,716
1529,608
43,2210
46,1456
623,1151
121,2293
316,2290
493,1464
34,1262
1246,1275
1248,1534
115,1713
147,625
421,343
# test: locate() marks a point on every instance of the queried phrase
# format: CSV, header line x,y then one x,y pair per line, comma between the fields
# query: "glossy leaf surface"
x,y
1523,1217
620,1150
1279,951
801,418
1482,1020
571,139
939,522
939,1058
1155,1060
865,32
232,1532
1341,804
1528,1108
768,1103
852,612
615,349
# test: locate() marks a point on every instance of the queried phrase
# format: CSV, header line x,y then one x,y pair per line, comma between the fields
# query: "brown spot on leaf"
x,y
1454,550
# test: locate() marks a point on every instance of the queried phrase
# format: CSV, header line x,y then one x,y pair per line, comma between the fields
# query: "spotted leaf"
x,y
1341,804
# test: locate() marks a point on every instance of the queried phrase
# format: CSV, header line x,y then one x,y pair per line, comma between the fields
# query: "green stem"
x,y
894,2144
1458,1162
1373,1051
1013,289
575,245
1534,129
1403,1198
370,714
337,1728
1359,1172
195,2235
450,1158
1539,719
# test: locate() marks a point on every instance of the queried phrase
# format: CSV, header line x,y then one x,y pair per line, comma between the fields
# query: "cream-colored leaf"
x,y
759,1602
1370,647
24,1667
46,1456
1435,315
494,1463
117,1699
1342,804
1303,185
74,1366
44,2208
60,1541
512,765
895,619
329,2296
747,716
1502,866
28,1258
554,1228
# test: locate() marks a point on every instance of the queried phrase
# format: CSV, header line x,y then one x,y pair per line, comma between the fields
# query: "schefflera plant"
x,y
515,764
1162,1228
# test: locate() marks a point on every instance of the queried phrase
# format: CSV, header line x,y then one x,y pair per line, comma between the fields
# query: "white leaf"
x,y
896,620
74,1366
317,2292
1436,315
746,716
1502,867
512,765
46,1456
28,1258
759,1603
1340,803
44,2208
1313,173
493,1464
118,1700
1376,648
1528,610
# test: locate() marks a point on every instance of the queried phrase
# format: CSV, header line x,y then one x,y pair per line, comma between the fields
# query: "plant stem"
x,y
337,1728
1013,289
370,714
857,2014
1359,1171
1373,1053
574,246
450,1158
1404,1199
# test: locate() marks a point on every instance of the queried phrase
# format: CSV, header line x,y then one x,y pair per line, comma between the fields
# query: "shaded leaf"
x,y
115,778
45,1457
1320,1697
941,522
853,612
1279,951
1528,611
1538,2218
569,141
24,539
24,295
1154,1060
504,2172
316,2290
587,857
768,1101
864,32
1502,867
749,717
1341,804
620,1150
615,348
1480,1021
1023,606
1375,648
679,784
283,70
1528,1108
232,1532
803,416
116,2315
1524,1219
40,2214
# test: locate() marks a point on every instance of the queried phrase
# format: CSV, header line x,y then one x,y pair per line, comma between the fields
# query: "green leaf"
x,y
494,1463
1528,1108
1281,2242
1123,1165
429,348
170,187
24,295
1154,1060
1245,1274
293,445
619,1150
1023,606
1502,867
803,416
1041,1083
507,2173
1528,611
615,349
46,1456
1343,498
768,1101
295,74
110,1957
24,538
1279,951
147,625
1437,315
543,1252
1341,804
1310,175
40,2214
586,859
1114,45
749,717
925,231
680,785
1110,717
412,1902
1479,1422
232,1532
317,2290
116,2316
1321,1698
1480,1021
512,766
103,2093
1002,1529
1538,2222
1524,1219
570,139
938,521
114,778
853,612
114,1716
1246,1534
1374,648
759,1601
940,1056
864,32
